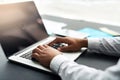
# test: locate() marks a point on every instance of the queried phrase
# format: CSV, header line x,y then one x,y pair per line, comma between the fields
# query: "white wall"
x,y
102,11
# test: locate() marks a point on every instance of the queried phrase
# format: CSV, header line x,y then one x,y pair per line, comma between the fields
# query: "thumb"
x,y
64,49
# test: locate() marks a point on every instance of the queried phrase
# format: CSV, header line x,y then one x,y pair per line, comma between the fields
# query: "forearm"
x,y
109,46
74,71
69,70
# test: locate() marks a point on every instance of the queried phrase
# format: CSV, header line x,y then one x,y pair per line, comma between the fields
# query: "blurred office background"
x,y
102,11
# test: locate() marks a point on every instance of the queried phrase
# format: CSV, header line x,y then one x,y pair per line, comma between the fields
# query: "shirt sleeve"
x,y
57,61
69,70
108,46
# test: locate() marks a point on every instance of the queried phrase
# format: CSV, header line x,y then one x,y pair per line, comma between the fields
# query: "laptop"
x,y
22,30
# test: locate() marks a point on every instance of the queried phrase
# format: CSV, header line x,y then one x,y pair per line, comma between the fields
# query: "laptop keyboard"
x,y
28,54
58,45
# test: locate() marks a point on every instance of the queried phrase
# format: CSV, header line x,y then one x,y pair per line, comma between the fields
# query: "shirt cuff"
x,y
93,44
56,62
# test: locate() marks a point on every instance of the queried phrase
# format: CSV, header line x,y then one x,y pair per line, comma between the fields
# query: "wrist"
x,y
57,61
84,43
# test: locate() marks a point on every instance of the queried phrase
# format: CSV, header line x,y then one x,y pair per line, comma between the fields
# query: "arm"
x,y
72,71
108,46
69,70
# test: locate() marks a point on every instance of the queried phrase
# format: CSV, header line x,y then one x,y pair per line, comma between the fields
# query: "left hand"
x,y
44,54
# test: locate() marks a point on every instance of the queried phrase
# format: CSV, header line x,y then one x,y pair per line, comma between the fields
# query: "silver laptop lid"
x,y
20,26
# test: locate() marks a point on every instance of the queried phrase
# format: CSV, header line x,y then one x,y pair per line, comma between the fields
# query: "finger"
x,y
46,46
65,48
35,55
37,50
57,40
53,42
41,47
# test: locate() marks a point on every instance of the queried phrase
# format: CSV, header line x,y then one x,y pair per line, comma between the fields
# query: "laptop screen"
x,y
20,26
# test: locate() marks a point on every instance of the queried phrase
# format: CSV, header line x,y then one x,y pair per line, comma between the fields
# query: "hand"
x,y
44,54
74,44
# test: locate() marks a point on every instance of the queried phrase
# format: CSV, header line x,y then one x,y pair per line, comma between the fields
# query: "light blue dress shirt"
x,y
69,70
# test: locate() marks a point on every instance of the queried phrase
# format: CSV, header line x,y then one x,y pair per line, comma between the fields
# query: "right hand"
x,y
74,44
44,54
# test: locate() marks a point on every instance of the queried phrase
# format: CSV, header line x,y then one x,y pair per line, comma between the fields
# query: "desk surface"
x,y
13,71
